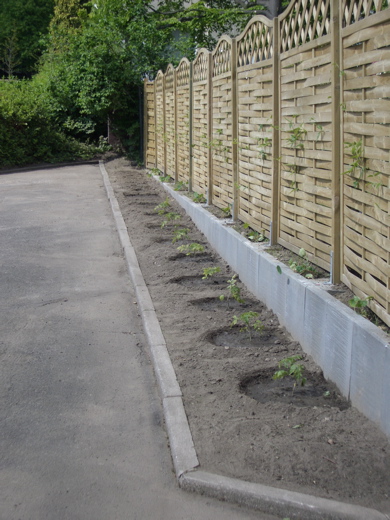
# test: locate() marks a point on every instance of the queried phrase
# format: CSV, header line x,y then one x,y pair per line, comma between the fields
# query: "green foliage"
x,y
290,368
180,186
253,235
24,24
357,169
210,271
360,305
163,206
169,217
233,291
180,234
28,129
248,321
191,249
303,267
198,197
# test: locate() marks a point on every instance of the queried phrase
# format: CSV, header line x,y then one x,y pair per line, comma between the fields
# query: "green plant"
x,y
165,178
303,267
210,271
227,211
296,135
264,143
163,206
357,168
155,171
168,217
234,291
198,197
290,368
253,235
360,305
180,234
180,186
248,320
191,249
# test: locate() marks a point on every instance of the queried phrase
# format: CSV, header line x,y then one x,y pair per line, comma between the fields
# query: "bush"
x,y
28,129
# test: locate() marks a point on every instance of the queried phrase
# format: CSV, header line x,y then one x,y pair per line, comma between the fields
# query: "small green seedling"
x,y
253,235
162,207
290,368
210,271
198,197
303,267
191,249
180,234
234,291
168,217
360,304
155,171
180,186
165,178
227,211
248,321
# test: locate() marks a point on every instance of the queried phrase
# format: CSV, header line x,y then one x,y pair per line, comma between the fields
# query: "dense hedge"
x,y
28,129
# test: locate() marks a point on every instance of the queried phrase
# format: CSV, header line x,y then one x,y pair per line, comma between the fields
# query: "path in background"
x,y
80,423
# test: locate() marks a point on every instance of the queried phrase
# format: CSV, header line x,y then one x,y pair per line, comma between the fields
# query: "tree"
x,y
24,24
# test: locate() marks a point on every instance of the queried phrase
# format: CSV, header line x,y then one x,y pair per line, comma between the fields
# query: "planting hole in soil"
x,y
316,391
210,304
269,340
198,257
198,281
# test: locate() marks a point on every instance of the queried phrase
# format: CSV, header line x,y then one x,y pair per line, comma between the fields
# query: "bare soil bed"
x,y
245,424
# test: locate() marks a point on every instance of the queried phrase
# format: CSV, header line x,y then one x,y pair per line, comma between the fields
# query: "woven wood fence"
x,y
289,125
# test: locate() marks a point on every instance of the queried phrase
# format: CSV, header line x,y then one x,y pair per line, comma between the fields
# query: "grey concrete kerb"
x,y
190,477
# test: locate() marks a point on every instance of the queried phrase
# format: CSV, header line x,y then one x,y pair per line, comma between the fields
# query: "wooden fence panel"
x,y
149,126
306,196
183,120
170,121
222,127
255,103
314,84
160,121
366,138
200,123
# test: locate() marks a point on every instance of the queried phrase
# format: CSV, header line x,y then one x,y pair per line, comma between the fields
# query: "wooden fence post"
x,y
335,260
155,123
209,132
234,130
274,227
190,129
175,124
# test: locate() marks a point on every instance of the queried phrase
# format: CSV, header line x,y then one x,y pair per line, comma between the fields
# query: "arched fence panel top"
x,y
222,56
355,10
304,21
183,73
169,77
159,81
200,65
255,43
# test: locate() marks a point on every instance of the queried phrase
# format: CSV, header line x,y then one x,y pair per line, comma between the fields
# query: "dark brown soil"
x,y
245,424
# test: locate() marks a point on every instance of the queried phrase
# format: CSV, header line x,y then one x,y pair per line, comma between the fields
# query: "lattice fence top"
x,y
183,73
355,10
256,42
201,65
159,81
222,56
169,77
304,21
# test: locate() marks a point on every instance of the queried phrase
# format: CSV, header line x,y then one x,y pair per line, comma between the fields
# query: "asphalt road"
x,y
81,433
